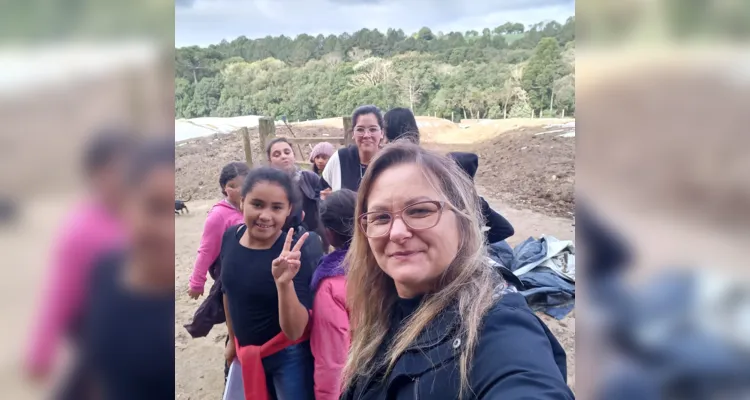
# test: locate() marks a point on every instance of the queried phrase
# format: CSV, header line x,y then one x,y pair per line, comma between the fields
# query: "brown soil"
x,y
529,171
519,168
199,161
526,170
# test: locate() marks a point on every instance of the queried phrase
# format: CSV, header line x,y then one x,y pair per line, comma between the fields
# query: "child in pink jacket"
x,y
329,337
92,229
222,215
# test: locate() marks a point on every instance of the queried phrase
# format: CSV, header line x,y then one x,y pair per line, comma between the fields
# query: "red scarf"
x,y
251,362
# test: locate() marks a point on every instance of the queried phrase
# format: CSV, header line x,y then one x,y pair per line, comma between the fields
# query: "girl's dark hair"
x,y
106,147
271,175
369,109
231,171
337,214
273,142
147,157
401,124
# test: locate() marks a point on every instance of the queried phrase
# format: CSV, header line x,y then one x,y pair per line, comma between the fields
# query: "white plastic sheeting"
x,y
198,127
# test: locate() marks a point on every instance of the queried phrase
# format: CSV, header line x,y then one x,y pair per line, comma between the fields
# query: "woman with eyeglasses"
x,y
430,318
347,166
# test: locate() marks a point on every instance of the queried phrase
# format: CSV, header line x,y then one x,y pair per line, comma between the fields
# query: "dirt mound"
x,y
476,131
327,122
198,162
529,169
521,168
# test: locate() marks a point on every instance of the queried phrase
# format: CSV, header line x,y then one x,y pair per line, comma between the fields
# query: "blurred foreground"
x,y
61,85
662,182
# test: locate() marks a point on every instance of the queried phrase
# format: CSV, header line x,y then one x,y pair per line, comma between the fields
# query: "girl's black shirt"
x,y
247,281
128,337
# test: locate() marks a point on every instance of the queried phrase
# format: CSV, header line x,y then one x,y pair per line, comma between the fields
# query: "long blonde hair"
x,y
468,283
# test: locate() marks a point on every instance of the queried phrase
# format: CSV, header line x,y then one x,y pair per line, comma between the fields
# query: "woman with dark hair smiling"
x,y
347,166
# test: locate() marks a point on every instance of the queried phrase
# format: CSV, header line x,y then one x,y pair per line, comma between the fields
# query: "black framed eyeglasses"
x,y
418,216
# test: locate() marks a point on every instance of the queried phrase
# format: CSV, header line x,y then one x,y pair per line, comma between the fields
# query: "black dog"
x,y
180,205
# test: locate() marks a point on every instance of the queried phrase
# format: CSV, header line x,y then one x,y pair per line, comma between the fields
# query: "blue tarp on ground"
x,y
546,268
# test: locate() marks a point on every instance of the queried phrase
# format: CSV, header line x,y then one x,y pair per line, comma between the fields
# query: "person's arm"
x,y
293,316
500,228
515,359
62,301
208,250
332,172
230,330
329,342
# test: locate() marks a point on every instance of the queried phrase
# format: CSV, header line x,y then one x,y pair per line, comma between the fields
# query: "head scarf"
x,y
322,148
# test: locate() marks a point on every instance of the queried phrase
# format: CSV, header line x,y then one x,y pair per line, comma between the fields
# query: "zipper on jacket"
x,y
416,388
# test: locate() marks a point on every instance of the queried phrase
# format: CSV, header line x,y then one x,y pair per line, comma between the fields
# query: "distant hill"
x,y
508,70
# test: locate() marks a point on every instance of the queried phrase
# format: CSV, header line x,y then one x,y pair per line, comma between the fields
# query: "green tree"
x,y
542,70
309,77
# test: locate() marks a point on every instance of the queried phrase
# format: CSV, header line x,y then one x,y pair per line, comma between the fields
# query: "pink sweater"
x,y
330,337
87,234
221,216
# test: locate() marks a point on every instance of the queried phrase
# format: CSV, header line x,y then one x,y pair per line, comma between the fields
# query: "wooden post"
x,y
563,113
245,133
266,131
452,120
348,139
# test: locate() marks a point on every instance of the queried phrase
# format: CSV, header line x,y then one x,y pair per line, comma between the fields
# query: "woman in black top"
x,y
128,326
266,282
430,317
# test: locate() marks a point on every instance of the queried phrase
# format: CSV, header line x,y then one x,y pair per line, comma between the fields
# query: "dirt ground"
x,y
524,167
528,168
526,177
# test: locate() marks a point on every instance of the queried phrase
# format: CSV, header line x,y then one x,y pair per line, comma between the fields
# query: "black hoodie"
x,y
500,228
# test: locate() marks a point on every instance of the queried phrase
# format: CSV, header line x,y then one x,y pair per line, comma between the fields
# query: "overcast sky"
x,y
204,22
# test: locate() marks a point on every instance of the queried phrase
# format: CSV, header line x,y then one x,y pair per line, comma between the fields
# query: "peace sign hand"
x,y
286,266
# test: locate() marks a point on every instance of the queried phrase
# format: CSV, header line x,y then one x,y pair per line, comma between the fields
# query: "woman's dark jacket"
x,y
516,357
309,186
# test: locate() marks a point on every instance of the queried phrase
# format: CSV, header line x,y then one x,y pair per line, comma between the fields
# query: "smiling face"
x,y
367,133
282,156
265,208
414,259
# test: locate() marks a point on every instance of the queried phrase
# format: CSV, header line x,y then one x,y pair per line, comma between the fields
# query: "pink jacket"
x,y
221,216
88,233
330,336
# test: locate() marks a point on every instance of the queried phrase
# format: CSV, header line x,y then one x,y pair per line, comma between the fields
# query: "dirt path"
x,y
199,362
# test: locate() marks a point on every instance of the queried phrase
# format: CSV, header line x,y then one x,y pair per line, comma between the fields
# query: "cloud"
x,y
203,22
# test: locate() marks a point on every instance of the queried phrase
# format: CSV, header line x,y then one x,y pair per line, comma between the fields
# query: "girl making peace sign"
x,y
266,281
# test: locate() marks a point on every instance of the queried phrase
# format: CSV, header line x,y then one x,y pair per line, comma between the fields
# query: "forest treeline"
x,y
501,72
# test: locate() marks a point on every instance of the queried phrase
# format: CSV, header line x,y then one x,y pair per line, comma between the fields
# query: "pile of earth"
x,y
527,169
198,162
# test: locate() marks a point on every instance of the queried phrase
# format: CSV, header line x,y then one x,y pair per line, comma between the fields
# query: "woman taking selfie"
x,y
429,317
